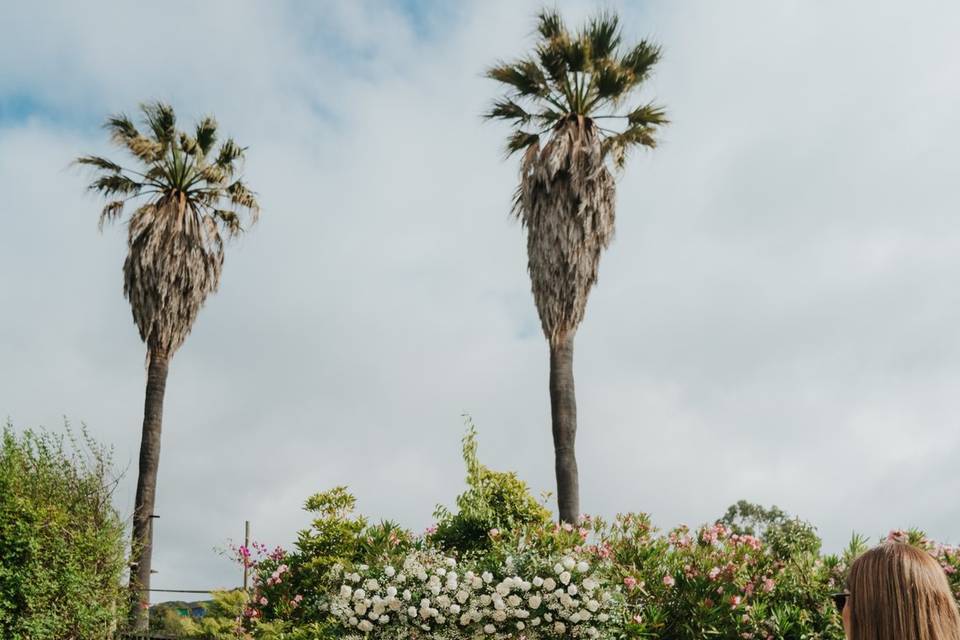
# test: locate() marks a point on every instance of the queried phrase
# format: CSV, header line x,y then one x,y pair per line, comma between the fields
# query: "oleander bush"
x,y
62,544
497,568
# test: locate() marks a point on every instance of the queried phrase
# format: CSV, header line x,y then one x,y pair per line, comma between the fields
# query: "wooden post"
x,y
246,545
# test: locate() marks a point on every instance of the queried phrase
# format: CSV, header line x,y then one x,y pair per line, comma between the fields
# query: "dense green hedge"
x,y
62,551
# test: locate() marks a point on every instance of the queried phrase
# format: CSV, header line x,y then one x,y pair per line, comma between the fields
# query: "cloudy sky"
x,y
777,320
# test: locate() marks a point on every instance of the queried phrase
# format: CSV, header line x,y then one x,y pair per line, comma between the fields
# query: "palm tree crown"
x,y
583,74
566,196
184,193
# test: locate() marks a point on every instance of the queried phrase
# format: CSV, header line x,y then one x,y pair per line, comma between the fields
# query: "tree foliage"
x,y
62,551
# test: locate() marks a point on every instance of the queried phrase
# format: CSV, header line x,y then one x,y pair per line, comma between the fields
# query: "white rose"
x,y
360,608
485,600
443,601
406,594
365,626
559,627
383,619
498,604
401,578
502,589
412,612
584,615
547,617
593,633
589,584
389,571
422,575
488,629
514,601
569,564
374,614
363,568
391,591
465,619
521,613
572,589
558,568
462,596
535,622
525,586
499,616
520,626
603,617
441,619
435,589
549,584
575,618
593,605
565,577
534,601
476,582
582,566
353,621
487,577
371,585
359,594
454,609
538,581
345,591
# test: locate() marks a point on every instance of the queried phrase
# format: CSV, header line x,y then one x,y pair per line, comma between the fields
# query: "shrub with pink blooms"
x,y
498,569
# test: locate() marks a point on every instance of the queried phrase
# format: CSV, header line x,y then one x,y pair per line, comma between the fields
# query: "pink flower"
x,y
638,618
298,597
630,582
714,573
768,585
735,602
263,600
494,533
432,529
669,581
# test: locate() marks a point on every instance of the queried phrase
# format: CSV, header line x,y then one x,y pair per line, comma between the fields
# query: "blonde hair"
x,y
899,592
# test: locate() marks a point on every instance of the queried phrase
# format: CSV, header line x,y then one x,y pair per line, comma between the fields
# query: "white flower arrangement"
x,y
431,597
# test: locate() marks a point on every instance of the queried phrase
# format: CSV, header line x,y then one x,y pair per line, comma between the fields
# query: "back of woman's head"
x,y
899,592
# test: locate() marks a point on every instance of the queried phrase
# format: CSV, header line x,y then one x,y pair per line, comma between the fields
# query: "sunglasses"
x,y
840,600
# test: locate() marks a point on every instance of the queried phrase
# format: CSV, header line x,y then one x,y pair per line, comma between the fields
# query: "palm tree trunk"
x,y
141,551
563,407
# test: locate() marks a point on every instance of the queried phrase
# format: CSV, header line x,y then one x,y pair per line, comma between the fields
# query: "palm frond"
x,y
241,196
162,121
603,36
100,163
576,55
521,140
189,145
553,59
230,220
649,115
640,60
550,24
610,82
524,75
114,184
121,128
111,212
506,109
616,146
230,151
206,135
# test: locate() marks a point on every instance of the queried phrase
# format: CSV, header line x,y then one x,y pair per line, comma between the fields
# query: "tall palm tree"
x,y
556,100
184,196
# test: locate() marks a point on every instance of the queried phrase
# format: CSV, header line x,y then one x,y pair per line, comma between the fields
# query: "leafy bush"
x,y
494,501
498,568
61,541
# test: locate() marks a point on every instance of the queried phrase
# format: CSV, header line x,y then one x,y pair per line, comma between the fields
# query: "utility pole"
x,y
246,545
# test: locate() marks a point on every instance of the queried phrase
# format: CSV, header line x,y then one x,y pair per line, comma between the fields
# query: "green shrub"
x,y
494,502
757,573
61,541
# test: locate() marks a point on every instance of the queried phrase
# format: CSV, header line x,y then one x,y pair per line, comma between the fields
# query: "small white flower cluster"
x,y
431,593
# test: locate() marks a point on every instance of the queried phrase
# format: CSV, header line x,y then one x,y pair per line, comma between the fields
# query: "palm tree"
x,y
556,101
183,195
